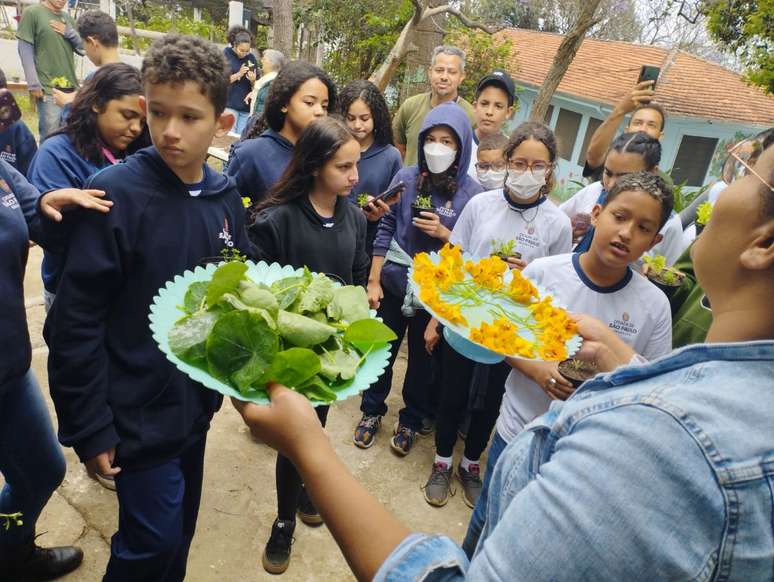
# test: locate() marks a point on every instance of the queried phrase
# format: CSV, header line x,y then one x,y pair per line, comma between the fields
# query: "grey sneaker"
x,y
366,430
438,486
471,484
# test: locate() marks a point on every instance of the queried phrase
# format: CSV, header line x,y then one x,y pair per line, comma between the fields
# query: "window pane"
x,y
594,123
693,159
549,114
567,124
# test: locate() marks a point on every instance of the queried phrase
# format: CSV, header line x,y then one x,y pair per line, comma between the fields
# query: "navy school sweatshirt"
x,y
58,165
238,90
256,164
294,234
18,146
19,223
110,383
376,168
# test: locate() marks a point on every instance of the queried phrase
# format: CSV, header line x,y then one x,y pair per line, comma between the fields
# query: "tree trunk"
x,y
564,56
381,76
427,35
130,16
282,25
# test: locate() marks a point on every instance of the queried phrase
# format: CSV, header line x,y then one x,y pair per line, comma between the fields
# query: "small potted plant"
x,y
363,199
703,214
421,204
577,371
504,249
665,278
62,84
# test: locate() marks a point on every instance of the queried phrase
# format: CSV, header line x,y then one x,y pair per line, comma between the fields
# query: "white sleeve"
x,y
673,244
460,234
660,341
579,201
563,242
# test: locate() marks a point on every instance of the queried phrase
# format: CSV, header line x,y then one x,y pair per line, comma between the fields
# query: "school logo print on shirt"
x,y
225,235
8,155
623,326
7,198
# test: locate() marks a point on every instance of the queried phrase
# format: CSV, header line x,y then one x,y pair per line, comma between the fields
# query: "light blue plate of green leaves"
x,y
234,327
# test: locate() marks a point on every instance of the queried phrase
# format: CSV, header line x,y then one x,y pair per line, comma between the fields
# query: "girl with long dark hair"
x,y
105,123
300,94
243,67
308,221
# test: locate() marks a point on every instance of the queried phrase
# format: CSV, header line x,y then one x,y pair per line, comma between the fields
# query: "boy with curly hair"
x,y
126,410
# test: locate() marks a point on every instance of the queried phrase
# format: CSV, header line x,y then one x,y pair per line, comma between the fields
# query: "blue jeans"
x,y
478,518
31,459
157,512
49,116
241,120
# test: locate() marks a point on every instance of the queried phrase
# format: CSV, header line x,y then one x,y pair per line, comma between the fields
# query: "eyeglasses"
x,y
496,166
743,156
521,166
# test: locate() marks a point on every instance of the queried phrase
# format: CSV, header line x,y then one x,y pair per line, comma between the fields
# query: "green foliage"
x,y
703,213
358,34
60,83
363,199
484,53
235,330
684,197
423,202
503,249
151,17
566,189
658,271
9,519
746,28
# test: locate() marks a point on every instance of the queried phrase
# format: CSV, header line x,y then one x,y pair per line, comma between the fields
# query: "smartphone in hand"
x,y
649,73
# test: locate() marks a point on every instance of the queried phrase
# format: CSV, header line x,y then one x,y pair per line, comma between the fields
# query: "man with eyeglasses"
x,y
446,72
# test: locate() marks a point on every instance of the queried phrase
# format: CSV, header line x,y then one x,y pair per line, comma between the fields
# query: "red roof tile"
x,y
606,70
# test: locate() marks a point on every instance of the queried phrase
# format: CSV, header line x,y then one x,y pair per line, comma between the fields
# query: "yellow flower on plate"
x,y
521,289
487,272
452,255
501,336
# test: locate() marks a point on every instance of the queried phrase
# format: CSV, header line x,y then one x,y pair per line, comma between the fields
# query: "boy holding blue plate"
x,y
600,283
127,411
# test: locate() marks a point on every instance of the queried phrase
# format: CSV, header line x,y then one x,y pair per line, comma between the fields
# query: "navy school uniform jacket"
x,y
110,383
376,168
256,164
18,146
58,165
238,90
294,234
19,223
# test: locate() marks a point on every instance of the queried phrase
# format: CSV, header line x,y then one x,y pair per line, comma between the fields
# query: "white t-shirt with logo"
x,y
538,232
634,308
672,244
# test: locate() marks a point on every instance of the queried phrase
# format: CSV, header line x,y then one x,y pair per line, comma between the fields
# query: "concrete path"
x,y
239,502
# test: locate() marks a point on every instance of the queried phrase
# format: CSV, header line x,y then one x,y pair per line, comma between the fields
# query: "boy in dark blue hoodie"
x,y
442,175
126,410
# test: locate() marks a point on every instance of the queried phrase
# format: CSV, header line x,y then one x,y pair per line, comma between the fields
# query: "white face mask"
x,y
524,186
491,179
438,157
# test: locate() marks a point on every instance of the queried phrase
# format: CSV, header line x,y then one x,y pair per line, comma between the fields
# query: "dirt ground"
x,y
238,504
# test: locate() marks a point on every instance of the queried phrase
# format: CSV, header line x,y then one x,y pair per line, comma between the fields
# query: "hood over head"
x,y
453,116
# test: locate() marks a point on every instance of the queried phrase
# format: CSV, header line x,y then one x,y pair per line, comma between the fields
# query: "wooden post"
x,y
236,13
108,6
197,14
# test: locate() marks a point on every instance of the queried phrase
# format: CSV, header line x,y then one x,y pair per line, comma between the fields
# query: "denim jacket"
x,y
661,471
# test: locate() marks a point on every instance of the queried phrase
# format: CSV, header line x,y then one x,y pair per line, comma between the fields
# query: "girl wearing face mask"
x,y
441,174
519,212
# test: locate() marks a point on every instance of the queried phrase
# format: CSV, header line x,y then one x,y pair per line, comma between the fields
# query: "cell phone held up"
x,y
9,110
649,73
389,195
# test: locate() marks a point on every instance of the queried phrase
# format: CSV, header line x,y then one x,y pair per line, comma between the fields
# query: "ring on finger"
x,y
551,382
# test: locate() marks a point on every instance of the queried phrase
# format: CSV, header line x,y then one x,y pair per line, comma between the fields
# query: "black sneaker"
x,y
276,555
366,429
31,562
307,512
428,426
471,484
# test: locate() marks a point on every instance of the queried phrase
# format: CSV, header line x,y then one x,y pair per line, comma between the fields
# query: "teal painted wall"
x,y
676,129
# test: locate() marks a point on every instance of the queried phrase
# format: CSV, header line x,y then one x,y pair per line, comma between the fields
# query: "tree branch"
x,y
418,10
462,18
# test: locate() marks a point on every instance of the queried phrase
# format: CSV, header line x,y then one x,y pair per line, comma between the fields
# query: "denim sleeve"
x,y
628,494
423,557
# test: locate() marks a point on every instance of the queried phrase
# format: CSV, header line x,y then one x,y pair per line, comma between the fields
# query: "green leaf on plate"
x,y
195,296
256,296
294,367
316,296
339,364
225,279
317,389
349,304
241,341
302,331
288,289
367,334
188,338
